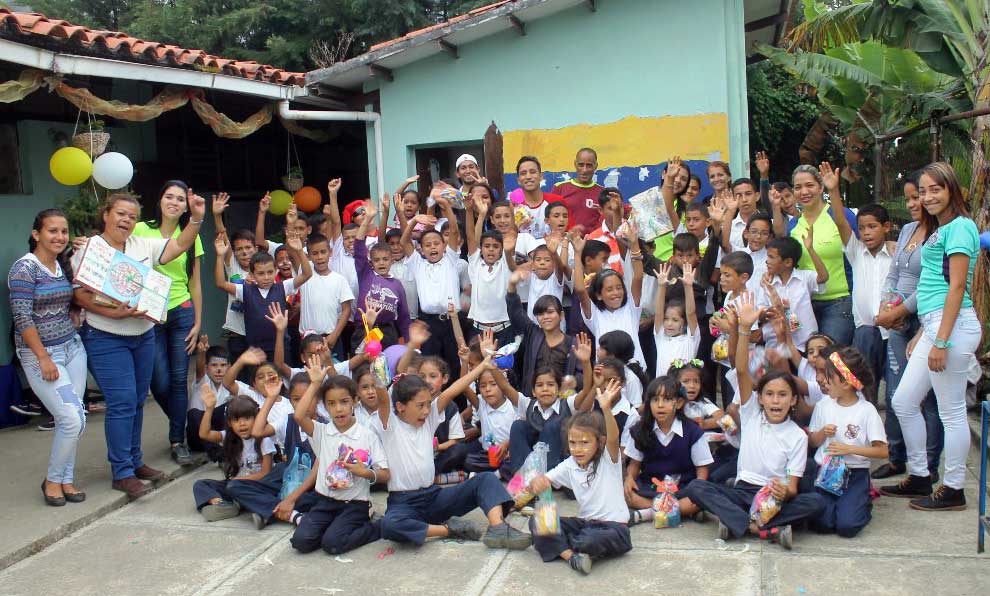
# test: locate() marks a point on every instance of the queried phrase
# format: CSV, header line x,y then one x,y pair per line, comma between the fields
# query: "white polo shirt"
x,y
343,263
701,453
797,291
409,449
601,498
495,422
326,443
869,274
322,298
858,425
436,283
736,229
767,450
489,285
522,404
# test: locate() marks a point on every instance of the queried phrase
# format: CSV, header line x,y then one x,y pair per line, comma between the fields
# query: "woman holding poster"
x,y
120,340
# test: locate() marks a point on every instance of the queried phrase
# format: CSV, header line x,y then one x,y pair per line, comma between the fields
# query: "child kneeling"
x,y
354,456
594,473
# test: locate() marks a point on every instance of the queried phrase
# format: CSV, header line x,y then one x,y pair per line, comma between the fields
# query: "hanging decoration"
x,y
113,170
27,83
308,199
293,179
225,127
280,201
71,166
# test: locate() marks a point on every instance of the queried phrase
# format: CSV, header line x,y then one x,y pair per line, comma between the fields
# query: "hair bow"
x,y
681,363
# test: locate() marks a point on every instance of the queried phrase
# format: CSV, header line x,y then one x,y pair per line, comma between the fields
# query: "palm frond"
x,y
830,29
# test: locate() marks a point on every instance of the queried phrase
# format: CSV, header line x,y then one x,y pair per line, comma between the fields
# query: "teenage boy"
x,y
794,288
741,206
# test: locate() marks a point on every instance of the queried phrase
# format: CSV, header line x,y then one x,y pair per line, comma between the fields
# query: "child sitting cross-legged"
x,y
594,473
773,451
417,508
351,459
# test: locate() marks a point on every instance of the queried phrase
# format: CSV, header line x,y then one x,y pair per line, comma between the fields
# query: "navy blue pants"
x,y
726,462
522,438
335,526
731,505
597,539
410,512
477,461
451,459
873,347
846,515
194,417
261,496
207,489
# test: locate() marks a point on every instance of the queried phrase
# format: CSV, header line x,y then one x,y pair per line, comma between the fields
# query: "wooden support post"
x,y
519,25
448,47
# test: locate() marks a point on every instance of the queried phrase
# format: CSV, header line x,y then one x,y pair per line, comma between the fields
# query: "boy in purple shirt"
x,y
376,287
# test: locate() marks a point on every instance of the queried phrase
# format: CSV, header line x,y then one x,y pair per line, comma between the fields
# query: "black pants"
x,y
731,505
335,526
194,418
441,342
477,461
598,539
452,459
237,345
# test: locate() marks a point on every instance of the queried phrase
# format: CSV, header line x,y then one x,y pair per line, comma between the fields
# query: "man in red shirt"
x,y
581,192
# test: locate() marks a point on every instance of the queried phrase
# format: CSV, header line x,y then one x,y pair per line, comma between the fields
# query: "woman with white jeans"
x,y
49,347
939,356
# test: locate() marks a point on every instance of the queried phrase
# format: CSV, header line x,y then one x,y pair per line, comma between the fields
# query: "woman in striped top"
x,y
48,346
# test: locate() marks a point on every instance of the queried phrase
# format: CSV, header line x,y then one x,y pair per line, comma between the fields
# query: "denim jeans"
x,y
63,398
835,319
170,375
950,393
121,366
896,362
873,347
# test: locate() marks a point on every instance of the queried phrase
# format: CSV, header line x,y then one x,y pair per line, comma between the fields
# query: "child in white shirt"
x,y
675,328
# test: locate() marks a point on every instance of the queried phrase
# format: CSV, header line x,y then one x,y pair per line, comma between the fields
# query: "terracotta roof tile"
x,y
37,30
425,30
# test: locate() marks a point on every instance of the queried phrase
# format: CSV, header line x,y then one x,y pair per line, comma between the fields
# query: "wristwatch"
x,y
943,344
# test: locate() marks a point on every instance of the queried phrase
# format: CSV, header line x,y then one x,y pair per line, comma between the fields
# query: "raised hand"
x,y
371,211
716,209
763,164
333,186
424,219
809,238
582,347
220,244
272,388
509,242
277,317
294,242
830,177
371,311
730,202
673,166
203,343
253,356
265,203
220,202
197,206
577,242
292,215
606,396
746,309
488,344
315,369
208,396
663,273
386,200
419,333
687,276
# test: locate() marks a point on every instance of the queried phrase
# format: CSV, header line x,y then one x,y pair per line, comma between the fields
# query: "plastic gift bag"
x,y
545,518
765,506
720,348
534,466
338,476
295,473
666,509
728,424
379,368
833,474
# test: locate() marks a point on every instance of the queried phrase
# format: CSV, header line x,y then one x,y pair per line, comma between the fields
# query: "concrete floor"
x,y
160,545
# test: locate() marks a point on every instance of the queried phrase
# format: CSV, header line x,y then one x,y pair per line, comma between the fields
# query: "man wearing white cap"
x,y
468,172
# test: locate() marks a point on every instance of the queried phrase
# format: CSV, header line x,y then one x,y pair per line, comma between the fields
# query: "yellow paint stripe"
x,y
632,141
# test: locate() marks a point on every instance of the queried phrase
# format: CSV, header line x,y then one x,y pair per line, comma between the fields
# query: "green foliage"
x,y
779,117
96,14
82,211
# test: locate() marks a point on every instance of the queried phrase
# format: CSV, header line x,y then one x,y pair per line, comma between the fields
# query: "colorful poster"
x,y
114,275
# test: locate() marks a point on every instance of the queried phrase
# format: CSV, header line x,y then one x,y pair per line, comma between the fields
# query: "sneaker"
x,y
700,517
887,470
25,410
723,531
181,455
580,563
505,536
146,472
259,522
910,487
218,511
527,511
50,425
462,529
943,499
786,537
134,488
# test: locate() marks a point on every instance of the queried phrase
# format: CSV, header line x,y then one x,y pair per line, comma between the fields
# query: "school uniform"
x,y
678,452
869,273
262,496
364,416
678,347
259,331
414,502
600,529
797,291
625,318
339,520
249,463
534,348
496,425
538,425
489,285
452,428
196,411
438,284
768,451
859,425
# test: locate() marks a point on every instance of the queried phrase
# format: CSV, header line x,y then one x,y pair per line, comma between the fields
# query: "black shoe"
x,y
52,501
77,497
505,536
181,455
933,474
259,522
581,563
50,425
943,499
26,410
462,529
887,470
910,487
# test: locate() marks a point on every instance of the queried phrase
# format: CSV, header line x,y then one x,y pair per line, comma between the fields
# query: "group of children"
x,y
490,348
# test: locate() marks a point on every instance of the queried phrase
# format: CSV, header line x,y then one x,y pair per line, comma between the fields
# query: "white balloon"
x,y
113,170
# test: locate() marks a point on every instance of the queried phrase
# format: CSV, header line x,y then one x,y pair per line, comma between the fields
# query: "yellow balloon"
x,y
71,166
280,202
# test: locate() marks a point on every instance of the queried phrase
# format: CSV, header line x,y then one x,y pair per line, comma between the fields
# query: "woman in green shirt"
x,y
175,339
940,354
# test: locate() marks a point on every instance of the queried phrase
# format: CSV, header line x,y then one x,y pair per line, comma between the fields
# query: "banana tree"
x,y
952,38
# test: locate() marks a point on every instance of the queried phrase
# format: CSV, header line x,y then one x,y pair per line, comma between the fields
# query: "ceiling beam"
x,y
774,19
380,72
448,47
519,25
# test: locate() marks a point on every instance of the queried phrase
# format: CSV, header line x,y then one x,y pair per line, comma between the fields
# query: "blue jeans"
x,y
835,319
523,437
896,363
873,347
63,398
169,378
119,364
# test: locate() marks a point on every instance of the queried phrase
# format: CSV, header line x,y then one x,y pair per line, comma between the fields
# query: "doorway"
x,y
437,163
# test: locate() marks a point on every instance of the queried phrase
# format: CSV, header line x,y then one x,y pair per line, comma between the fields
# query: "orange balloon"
x,y
307,199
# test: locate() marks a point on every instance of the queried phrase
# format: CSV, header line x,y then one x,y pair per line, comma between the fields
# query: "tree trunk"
x,y
816,139
979,200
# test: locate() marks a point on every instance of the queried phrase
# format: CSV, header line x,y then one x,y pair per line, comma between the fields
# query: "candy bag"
x,y
833,474
534,466
546,522
379,368
666,509
764,507
454,197
720,348
295,473
338,476
728,424
522,217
